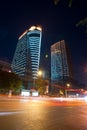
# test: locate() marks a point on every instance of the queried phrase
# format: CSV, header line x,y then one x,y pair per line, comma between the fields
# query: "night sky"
x,y
58,21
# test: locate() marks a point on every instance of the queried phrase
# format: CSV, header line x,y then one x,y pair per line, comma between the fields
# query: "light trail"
x,y
9,113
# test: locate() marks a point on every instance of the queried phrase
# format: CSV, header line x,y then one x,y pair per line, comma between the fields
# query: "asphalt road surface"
x,y
24,114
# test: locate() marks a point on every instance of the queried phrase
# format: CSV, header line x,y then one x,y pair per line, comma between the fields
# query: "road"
x,y
28,114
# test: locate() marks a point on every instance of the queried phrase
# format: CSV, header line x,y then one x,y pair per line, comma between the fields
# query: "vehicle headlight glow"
x,y
85,98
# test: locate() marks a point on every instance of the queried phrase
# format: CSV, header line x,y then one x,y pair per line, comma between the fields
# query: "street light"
x,y
39,73
67,86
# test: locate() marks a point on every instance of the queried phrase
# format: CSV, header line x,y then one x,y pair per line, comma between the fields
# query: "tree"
x,y
9,81
56,2
40,86
82,22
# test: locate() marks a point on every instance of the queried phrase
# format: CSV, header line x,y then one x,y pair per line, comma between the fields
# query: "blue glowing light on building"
x,y
60,63
27,54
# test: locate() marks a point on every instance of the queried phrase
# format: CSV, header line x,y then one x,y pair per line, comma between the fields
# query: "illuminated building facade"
x,y
27,55
61,67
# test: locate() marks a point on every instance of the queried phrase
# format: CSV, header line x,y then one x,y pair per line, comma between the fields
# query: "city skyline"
x,y
58,23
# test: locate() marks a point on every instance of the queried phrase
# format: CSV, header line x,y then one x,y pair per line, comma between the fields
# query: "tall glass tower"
x,y
27,54
61,67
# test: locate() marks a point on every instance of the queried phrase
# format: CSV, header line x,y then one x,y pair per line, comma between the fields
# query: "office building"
x,y
61,66
27,54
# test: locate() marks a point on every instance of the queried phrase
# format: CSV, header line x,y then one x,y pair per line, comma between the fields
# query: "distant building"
x,y
5,66
27,55
61,67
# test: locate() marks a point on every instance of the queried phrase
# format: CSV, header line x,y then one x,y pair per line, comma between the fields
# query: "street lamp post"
x,y
67,86
34,80
34,83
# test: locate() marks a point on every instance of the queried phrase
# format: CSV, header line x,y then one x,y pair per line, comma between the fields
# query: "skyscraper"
x,y
27,54
61,67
